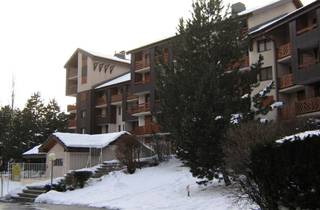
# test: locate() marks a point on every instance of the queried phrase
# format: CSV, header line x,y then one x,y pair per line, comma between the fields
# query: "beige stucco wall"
x,y
58,171
268,61
260,17
96,77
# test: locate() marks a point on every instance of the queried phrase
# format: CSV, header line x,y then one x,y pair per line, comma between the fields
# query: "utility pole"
x,y
12,92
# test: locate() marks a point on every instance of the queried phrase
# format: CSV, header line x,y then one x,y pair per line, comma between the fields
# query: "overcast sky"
x,y
37,37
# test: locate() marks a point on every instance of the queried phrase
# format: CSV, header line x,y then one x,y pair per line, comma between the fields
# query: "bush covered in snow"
x,y
286,174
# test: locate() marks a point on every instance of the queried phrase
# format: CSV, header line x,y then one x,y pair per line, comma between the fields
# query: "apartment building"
x,y
144,62
254,20
296,40
85,71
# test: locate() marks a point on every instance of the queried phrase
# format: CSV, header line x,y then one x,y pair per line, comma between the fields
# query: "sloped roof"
x,y
74,140
268,5
123,78
97,55
34,151
284,19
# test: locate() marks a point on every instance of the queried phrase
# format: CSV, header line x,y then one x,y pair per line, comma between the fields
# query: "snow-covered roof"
x,y
118,80
263,26
110,57
34,151
73,140
300,136
257,8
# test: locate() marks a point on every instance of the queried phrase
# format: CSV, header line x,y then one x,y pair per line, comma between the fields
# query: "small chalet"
x,y
75,151
34,155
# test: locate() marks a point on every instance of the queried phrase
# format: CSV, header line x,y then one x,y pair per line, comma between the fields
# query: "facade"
x,y
84,71
296,38
265,46
144,62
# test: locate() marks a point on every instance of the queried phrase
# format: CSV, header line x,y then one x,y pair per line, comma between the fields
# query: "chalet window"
x,y
84,70
58,162
264,45
266,74
119,127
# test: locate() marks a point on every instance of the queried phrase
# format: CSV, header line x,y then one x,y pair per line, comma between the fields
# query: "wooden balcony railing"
x,y
141,64
307,64
116,98
150,128
308,106
71,108
101,101
162,59
139,108
286,81
306,29
284,51
241,63
287,112
142,82
132,97
101,119
71,123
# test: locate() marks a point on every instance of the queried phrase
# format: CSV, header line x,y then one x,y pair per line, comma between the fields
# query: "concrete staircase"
x,y
105,168
29,194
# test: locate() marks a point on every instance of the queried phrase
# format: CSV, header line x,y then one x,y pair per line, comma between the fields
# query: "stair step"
x,y
36,188
22,199
28,195
29,191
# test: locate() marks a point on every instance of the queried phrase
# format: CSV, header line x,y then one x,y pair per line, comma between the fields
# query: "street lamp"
x,y
51,158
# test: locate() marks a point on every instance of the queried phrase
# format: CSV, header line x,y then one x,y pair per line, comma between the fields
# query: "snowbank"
x,y
299,136
162,187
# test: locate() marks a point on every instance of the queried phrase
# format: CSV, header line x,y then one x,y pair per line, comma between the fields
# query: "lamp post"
x,y
51,158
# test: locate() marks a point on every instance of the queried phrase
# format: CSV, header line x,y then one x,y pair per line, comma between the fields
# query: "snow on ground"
x,y
299,136
162,187
10,187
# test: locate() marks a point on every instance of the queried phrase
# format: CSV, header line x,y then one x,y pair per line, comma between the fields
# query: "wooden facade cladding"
x,y
150,128
307,106
285,81
71,108
284,51
71,123
145,107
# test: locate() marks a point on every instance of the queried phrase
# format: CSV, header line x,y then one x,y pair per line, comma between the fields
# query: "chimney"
x,y
237,8
121,54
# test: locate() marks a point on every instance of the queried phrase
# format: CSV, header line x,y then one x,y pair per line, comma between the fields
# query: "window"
x,y
58,162
119,127
84,70
266,74
264,45
123,127
83,130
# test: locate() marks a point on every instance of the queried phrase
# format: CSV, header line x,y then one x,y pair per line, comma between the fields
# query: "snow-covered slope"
x,y
162,187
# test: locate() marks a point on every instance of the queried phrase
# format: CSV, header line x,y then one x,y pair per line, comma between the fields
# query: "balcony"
x,y
101,101
286,81
307,64
284,51
141,64
116,98
101,119
142,82
308,106
150,128
140,108
71,123
287,112
242,63
71,108
306,29
132,97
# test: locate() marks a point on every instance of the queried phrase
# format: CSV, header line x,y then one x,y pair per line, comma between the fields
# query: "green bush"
x,y
60,186
286,174
81,177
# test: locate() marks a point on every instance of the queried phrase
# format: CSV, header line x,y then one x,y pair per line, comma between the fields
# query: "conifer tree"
x,y
198,97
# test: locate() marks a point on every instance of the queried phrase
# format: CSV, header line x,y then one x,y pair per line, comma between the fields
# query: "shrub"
x,y
285,175
81,177
128,152
60,186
